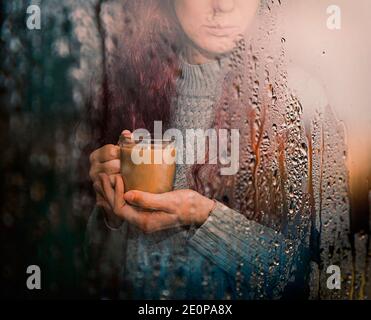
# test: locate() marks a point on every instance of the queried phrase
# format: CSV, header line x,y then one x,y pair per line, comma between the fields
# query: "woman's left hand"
x,y
154,212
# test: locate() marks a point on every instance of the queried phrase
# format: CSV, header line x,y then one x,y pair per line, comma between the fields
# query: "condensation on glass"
x,y
293,176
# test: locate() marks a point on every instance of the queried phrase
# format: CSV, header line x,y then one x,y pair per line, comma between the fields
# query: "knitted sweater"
x,y
227,257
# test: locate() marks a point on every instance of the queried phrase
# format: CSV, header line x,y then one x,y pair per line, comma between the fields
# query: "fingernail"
x,y
125,132
129,197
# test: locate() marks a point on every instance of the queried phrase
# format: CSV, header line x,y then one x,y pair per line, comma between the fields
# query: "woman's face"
x,y
214,26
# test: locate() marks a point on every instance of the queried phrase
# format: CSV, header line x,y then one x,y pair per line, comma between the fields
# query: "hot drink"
x,y
148,165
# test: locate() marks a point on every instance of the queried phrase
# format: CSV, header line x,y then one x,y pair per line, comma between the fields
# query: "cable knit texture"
x,y
197,90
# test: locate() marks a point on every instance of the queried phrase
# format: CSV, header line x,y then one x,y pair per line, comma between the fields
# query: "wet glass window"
x,y
264,104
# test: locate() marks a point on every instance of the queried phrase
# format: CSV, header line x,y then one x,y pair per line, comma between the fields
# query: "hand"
x,y
105,160
154,212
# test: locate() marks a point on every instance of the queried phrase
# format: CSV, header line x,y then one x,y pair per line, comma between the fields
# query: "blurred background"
x,y
44,77
42,221
338,63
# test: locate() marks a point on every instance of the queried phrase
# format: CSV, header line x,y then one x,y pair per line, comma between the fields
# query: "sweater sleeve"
x,y
248,251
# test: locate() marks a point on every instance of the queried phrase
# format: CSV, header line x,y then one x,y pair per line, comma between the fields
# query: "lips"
x,y
221,31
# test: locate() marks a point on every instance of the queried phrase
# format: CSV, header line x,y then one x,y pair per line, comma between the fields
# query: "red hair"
x,y
140,76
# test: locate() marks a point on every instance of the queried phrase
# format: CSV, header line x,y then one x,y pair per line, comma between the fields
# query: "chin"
x,y
220,50
220,47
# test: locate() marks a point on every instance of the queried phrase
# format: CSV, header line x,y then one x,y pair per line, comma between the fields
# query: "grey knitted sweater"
x,y
227,257
197,90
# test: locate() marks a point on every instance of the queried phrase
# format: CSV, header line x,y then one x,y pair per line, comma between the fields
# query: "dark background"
x,y
43,217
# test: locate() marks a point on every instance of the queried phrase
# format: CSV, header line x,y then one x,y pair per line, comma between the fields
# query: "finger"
x,y
112,178
161,202
97,185
149,222
100,199
109,167
106,153
109,192
104,205
119,194
98,188
126,133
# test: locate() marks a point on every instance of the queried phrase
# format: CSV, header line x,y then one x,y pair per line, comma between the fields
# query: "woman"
x,y
186,63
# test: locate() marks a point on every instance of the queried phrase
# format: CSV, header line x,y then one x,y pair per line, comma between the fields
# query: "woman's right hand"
x,y
105,160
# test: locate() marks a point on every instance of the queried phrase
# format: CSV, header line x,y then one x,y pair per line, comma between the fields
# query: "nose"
x,y
223,5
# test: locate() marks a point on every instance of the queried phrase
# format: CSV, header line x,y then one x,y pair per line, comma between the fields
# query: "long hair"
x,y
141,72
